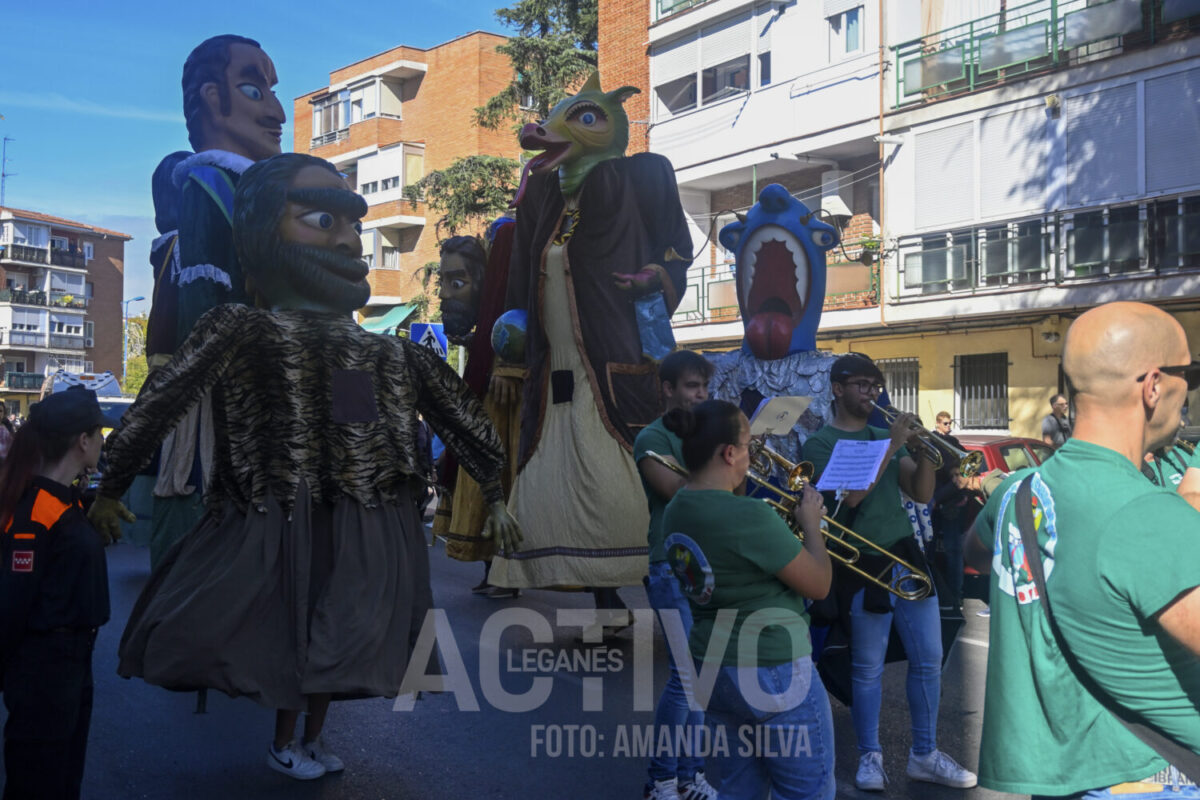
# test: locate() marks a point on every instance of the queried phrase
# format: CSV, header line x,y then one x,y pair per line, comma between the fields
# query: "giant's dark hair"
x,y
166,195
708,426
31,450
681,362
472,251
206,64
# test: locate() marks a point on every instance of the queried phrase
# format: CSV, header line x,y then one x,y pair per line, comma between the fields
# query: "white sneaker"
x,y
937,767
870,776
698,789
317,751
663,790
293,762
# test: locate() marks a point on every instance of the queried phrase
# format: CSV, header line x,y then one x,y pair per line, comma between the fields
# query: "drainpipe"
x,y
882,230
753,183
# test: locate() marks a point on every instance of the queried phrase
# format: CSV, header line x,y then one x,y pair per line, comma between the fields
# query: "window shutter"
x,y
674,60
1102,145
945,185
835,7
1173,103
725,41
1013,147
763,25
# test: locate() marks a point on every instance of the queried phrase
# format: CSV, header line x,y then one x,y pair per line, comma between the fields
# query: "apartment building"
x,y
1012,163
60,307
386,120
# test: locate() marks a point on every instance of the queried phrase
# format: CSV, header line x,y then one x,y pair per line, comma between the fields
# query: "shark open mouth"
x,y
774,284
547,159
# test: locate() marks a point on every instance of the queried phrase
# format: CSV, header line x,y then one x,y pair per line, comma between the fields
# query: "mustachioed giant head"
x,y
297,233
460,279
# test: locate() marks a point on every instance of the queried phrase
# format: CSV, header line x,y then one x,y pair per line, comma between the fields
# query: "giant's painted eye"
x,y
587,118
250,90
318,219
822,238
587,114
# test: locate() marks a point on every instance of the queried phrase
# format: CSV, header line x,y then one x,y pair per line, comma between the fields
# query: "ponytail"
x,y
708,426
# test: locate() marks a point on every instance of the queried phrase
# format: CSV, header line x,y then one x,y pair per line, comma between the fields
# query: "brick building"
x,y
385,121
60,307
1013,163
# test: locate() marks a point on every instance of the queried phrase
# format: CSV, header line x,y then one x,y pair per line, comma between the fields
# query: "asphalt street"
x,y
149,743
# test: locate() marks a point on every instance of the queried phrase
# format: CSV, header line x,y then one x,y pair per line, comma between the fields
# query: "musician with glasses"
x,y
734,553
1110,628
878,514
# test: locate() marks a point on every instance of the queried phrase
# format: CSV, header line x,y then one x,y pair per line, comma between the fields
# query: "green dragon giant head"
x,y
580,132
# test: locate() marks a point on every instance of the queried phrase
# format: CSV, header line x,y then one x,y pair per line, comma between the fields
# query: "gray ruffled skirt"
x,y
262,606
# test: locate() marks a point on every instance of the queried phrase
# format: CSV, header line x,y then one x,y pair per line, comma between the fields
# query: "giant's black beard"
x,y
458,319
322,276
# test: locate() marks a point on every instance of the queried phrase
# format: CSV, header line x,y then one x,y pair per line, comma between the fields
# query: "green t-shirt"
x,y
881,516
1168,471
1103,531
725,549
656,437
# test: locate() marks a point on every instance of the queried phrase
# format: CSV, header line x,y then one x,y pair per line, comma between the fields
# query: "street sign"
x,y
429,334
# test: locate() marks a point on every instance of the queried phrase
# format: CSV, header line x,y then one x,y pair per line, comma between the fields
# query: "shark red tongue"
x,y
769,334
524,179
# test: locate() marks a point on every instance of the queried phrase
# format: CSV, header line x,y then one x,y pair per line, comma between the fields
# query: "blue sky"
x,y
90,90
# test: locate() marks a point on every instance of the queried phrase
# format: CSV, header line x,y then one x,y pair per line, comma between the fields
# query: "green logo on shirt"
x,y
691,567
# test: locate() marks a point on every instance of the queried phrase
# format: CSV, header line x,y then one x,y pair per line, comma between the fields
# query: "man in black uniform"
x,y
53,596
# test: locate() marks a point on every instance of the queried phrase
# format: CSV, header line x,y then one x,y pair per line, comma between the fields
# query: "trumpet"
x,y
846,545
933,447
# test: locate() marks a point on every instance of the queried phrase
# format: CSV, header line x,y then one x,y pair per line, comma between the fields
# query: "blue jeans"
x,y
920,627
786,748
1168,792
662,589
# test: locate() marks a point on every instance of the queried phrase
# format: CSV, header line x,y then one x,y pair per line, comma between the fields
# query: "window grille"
x,y
901,377
981,390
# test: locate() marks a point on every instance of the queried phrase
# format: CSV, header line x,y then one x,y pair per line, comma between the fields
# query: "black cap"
x,y
73,410
853,365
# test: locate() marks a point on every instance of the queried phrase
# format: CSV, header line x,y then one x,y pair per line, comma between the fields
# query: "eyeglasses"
x,y
866,386
1189,372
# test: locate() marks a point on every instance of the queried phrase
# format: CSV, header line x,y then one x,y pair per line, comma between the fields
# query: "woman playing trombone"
x,y
746,576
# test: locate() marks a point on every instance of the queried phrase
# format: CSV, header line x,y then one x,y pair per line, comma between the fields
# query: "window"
x,y
678,95
764,69
725,79
66,327
845,33
89,251
945,263
370,187
59,243
31,235
981,390
89,334
389,183
900,375
1177,232
331,114
390,258
1106,241
364,102
14,365
1015,253
414,166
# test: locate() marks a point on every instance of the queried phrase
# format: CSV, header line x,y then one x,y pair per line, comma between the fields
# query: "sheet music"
x,y
853,465
775,416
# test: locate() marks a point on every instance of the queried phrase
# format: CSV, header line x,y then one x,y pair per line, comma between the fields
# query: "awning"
x,y
387,321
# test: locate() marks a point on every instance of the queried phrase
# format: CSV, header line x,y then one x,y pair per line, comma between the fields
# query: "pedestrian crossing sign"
x,y
429,334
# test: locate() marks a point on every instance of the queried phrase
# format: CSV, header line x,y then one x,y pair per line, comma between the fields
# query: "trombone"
x,y
932,447
846,546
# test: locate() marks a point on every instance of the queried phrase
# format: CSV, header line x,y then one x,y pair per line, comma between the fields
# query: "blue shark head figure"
x,y
779,249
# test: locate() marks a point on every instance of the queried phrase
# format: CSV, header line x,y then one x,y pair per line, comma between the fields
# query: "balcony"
x,y
20,252
329,138
24,381
23,338
1033,38
1145,240
67,341
36,297
65,258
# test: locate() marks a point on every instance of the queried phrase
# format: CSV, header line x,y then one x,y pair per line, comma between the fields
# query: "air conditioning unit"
x,y
89,342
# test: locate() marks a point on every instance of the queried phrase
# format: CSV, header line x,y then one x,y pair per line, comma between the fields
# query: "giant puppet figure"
x,y
472,279
233,120
596,232
779,248
308,577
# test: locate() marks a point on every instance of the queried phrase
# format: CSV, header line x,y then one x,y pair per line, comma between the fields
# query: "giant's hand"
x,y
646,281
106,515
501,528
505,391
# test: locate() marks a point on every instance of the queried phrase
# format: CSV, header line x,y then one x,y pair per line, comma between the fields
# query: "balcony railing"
x,y
24,338
1120,241
69,341
27,381
1035,37
329,138
21,252
65,258
36,297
